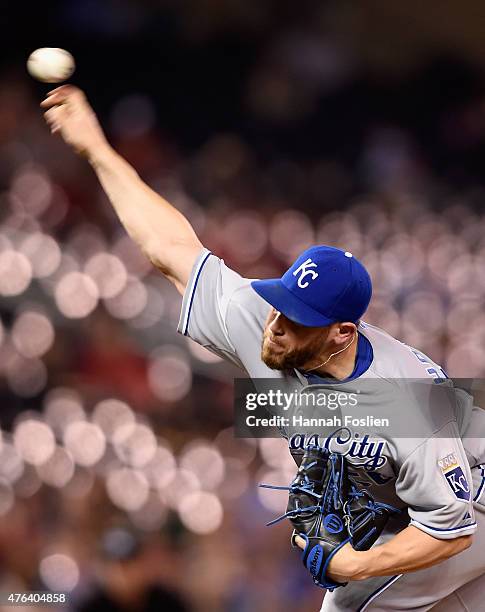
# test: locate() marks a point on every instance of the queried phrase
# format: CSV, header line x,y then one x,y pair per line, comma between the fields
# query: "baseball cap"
x,y
323,286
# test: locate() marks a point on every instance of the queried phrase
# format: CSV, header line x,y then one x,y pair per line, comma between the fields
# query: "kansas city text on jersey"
x,y
368,453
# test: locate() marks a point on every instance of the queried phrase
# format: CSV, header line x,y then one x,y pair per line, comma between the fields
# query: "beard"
x,y
295,358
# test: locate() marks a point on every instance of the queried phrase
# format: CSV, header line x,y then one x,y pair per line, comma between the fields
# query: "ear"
x,y
344,332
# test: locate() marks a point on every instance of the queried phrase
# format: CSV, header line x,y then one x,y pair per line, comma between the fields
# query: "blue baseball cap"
x,y
325,285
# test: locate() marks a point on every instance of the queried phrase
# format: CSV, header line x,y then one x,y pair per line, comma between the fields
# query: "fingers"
x,y
54,117
300,542
62,88
62,95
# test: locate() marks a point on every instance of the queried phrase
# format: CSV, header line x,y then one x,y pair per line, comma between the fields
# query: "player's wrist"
x,y
361,564
99,154
358,565
349,564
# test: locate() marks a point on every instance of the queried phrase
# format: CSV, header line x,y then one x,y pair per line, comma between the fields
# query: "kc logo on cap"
x,y
337,287
303,271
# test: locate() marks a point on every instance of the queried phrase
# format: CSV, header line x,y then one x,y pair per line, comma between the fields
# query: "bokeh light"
x,y
59,572
76,295
43,253
32,334
119,543
15,273
274,452
182,484
154,308
160,470
63,406
169,374
129,302
34,441
11,463
201,512
135,262
31,190
68,264
127,488
58,470
135,444
236,480
108,272
111,414
205,462
25,377
85,240
85,441
28,483
232,447
467,360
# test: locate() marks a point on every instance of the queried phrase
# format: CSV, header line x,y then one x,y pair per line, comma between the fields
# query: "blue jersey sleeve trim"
x,y
444,529
190,293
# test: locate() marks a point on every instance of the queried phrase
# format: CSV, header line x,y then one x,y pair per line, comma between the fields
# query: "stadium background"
x,y
272,126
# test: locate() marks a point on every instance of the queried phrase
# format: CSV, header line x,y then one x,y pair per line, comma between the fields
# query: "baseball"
x,y
50,64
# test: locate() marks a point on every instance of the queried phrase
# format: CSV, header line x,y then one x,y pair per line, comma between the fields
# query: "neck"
x,y
339,366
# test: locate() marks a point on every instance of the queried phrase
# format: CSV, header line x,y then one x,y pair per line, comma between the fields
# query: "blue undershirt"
x,y
363,358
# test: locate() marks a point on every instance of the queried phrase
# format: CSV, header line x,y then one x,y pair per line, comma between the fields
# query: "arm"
x,y
440,526
161,231
410,550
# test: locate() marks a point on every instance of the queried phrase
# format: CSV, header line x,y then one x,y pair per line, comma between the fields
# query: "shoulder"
x,y
247,300
395,359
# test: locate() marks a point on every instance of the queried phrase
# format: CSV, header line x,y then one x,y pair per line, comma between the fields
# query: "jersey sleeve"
x,y
435,482
205,305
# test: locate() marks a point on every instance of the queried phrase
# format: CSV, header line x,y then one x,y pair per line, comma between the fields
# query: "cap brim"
x,y
277,295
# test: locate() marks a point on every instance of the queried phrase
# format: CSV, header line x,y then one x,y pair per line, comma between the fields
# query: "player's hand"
x,y
343,566
68,113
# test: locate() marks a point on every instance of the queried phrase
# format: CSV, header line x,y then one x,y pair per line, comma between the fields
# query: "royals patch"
x,y
455,477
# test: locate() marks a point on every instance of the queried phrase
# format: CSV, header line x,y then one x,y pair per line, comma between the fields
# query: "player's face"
x,y
287,345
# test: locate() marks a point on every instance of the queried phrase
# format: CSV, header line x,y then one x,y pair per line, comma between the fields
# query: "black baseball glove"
x,y
327,509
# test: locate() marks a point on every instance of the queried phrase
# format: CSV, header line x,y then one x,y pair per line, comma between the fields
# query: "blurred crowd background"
x,y
272,126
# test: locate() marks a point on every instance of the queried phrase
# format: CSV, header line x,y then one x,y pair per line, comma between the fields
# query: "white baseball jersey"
x,y
436,478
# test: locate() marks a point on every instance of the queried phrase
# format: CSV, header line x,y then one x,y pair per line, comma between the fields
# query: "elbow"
x,y
466,542
460,545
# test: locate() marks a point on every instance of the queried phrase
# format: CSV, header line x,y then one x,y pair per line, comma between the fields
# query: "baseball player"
x,y
306,327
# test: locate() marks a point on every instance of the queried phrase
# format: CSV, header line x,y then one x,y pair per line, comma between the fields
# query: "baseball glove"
x,y
328,510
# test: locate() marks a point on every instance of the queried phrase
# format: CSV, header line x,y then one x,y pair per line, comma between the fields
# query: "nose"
x,y
276,326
